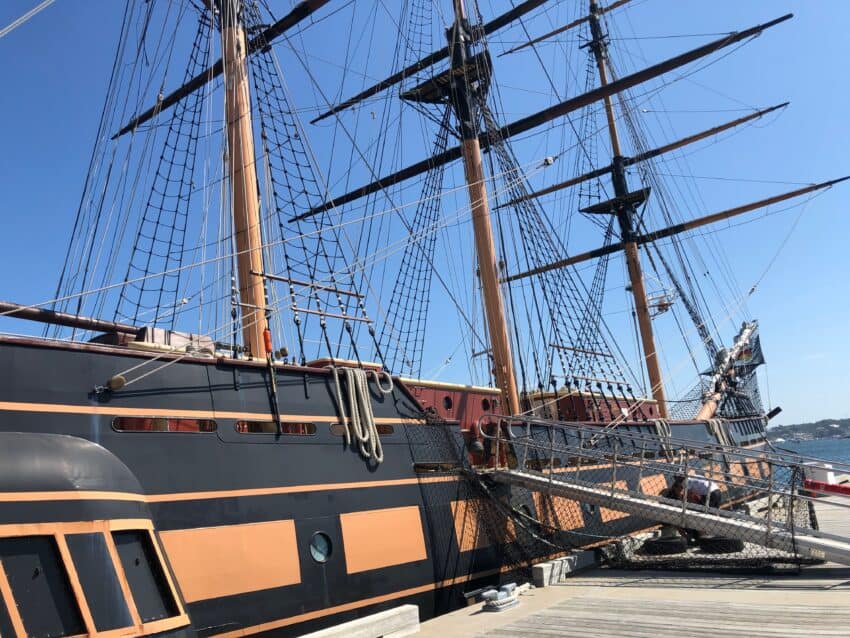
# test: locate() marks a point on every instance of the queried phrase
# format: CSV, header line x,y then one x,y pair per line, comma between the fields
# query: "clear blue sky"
x,y
54,71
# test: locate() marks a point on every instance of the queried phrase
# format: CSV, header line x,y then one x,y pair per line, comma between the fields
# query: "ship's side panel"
x,y
231,506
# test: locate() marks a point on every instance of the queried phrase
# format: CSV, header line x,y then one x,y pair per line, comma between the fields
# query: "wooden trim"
x,y
172,586
11,607
70,495
444,385
166,624
82,495
122,580
297,489
74,579
60,408
75,527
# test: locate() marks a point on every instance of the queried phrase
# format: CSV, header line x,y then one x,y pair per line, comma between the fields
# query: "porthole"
x,y
485,405
447,402
321,547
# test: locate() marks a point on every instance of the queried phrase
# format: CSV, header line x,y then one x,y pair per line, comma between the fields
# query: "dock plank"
x,y
607,603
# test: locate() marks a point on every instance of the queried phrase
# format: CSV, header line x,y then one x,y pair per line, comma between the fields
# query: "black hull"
x,y
196,480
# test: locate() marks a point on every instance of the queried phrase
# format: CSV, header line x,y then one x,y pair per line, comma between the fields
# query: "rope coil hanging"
x,y
359,423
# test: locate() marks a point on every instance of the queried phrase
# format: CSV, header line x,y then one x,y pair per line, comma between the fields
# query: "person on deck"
x,y
696,490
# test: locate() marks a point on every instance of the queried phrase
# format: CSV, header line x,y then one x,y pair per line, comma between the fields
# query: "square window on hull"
x,y
40,587
99,581
144,575
161,424
270,427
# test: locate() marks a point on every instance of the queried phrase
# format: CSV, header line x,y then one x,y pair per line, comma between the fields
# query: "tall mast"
x,y
466,108
244,194
623,206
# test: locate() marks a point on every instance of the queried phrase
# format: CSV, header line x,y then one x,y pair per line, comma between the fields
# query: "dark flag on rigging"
x,y
750,357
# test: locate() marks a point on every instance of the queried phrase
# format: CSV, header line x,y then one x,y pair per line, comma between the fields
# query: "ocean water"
x,y
830,449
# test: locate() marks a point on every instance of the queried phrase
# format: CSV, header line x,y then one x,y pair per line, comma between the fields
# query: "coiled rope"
x,y
359,421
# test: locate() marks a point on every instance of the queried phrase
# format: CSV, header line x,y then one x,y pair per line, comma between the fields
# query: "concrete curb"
x,y
556,571
393,623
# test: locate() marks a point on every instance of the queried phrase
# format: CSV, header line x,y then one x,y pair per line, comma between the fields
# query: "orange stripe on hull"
x,y
60,408
83,495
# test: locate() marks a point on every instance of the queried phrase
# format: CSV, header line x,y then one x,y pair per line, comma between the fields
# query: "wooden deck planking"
x,y
602,617
606,603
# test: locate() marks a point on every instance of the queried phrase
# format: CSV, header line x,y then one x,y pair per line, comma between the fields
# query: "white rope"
x,y
359,421
664,432
29,14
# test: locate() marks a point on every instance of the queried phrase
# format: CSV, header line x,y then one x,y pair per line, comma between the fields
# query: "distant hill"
x,y
825,429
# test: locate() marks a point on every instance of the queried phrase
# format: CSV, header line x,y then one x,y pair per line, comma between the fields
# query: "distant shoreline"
x,y
825,430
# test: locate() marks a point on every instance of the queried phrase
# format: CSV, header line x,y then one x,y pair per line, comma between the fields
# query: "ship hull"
x,y
235,513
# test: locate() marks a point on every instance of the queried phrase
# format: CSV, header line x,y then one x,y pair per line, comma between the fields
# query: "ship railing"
x,y
576,450
518,430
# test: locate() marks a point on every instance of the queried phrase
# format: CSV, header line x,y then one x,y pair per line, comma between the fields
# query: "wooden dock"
x,y
606,603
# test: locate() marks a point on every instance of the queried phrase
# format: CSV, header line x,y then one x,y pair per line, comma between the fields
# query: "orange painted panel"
x,y
715,473
471,528
469,531
754,468
608,515
210,562
654,484
381,538
558,512
736,469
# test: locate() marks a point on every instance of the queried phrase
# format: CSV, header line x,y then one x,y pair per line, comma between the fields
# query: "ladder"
x,y
621,458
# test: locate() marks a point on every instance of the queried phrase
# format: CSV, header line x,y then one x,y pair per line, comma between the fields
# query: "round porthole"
x,y
447,402
320,547
485,405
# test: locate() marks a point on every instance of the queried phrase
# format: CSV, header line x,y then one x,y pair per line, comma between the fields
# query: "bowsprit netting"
x,y
741,396
152,282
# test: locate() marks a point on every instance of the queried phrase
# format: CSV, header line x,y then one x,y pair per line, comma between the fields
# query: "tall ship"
x,y
232,416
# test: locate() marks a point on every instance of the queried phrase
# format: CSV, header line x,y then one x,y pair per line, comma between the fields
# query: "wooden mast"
x,y
624,211
466,109
243,178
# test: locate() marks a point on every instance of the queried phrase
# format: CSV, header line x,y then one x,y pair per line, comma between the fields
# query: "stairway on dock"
x,y
620,459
